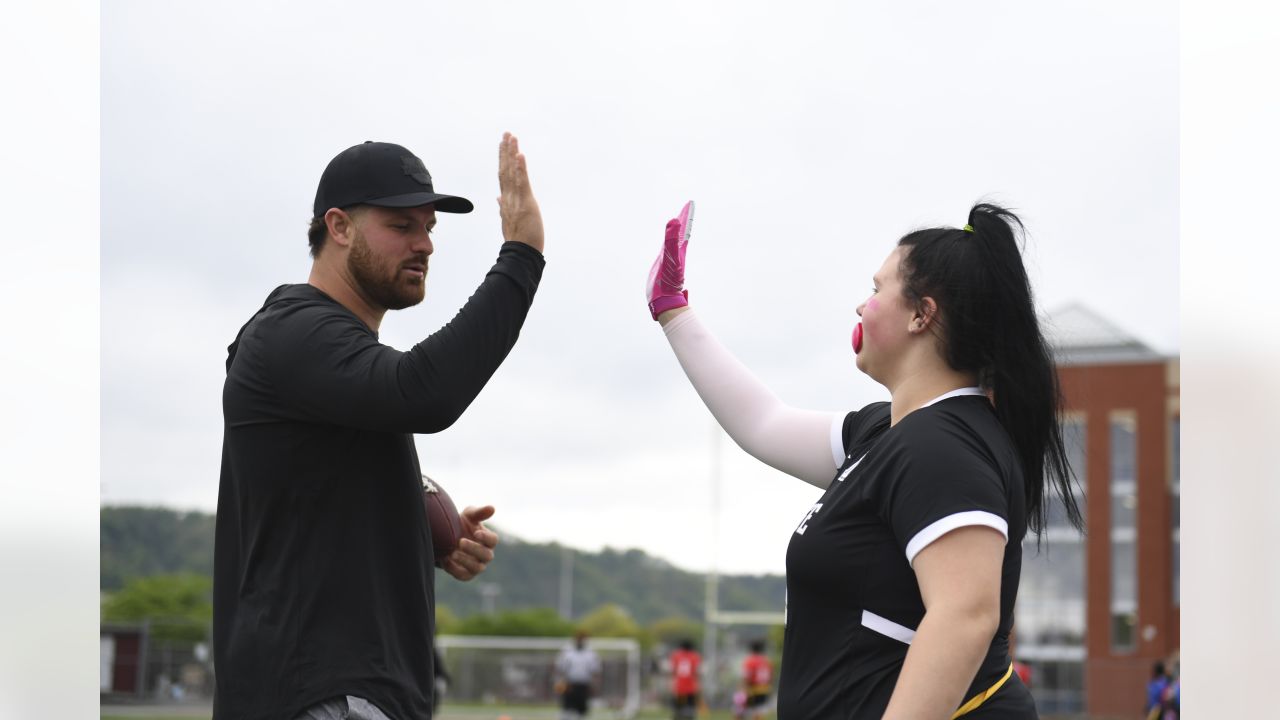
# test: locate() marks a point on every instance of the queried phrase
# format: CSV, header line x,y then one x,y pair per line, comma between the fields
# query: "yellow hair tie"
x,y
968,228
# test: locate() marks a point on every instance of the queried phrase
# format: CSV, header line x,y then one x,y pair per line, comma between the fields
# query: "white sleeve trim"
x,y
951,522
837,440
887,627
792,440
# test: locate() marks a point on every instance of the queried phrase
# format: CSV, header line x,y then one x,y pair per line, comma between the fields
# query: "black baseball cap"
x,y
382,174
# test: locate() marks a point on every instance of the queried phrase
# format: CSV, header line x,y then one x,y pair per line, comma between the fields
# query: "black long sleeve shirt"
x,y
323,564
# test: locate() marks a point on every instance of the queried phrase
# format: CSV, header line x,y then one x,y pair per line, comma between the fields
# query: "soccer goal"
x,y
516,676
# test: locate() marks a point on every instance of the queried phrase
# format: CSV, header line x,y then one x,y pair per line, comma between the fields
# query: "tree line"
x,y
157,563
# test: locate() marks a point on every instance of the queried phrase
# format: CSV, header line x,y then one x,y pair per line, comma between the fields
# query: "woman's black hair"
x,y
987,322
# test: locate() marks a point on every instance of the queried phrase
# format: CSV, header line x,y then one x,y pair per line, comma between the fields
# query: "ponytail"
x,y
988,323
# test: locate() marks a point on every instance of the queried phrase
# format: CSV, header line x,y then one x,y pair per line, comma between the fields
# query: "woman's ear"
x,y
926,314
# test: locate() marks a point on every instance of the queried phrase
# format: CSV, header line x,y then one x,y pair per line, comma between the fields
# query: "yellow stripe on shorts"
x,y
981,697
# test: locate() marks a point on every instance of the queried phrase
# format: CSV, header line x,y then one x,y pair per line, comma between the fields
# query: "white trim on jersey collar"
x,y
887,627
955,393
951,522
837,422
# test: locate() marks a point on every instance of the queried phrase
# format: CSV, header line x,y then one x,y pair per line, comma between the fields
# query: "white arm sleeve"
x,y
801,443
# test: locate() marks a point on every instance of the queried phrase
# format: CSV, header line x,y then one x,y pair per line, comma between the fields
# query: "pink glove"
x,y
666,277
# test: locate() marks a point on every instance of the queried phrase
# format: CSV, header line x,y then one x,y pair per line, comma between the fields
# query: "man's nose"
x,y
422,243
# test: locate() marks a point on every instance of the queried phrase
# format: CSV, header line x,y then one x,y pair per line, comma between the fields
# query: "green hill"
x,y
142,541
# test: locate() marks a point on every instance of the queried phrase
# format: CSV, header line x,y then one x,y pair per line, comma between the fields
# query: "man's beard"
x,y
381,284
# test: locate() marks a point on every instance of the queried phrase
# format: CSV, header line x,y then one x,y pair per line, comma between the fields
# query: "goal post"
x,y
488,670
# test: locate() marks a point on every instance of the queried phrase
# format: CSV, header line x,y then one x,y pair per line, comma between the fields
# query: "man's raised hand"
x,y
521,218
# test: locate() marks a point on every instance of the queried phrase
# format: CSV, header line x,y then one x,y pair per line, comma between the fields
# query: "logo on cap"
x,y
414,168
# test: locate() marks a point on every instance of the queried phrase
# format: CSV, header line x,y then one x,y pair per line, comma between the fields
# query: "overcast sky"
x,y
811,138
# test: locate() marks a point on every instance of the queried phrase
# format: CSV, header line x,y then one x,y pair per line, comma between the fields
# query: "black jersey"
x,y
852,599
323,565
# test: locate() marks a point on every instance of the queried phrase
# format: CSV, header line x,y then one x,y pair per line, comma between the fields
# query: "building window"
x,y
1050,612
1175,503
1124,533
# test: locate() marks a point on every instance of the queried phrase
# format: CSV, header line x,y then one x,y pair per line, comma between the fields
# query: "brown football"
x,y
442,518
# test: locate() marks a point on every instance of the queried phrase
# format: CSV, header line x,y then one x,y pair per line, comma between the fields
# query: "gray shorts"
x,y
347,707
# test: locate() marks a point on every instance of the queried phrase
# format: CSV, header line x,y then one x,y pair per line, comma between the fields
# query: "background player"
x,y
686,664
757,679
577,671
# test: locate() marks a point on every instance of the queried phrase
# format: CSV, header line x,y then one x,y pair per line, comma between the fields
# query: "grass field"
x,y
539,713
135,712
475,713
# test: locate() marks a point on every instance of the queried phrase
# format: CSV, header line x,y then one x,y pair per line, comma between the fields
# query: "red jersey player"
x,y
685,663
757,677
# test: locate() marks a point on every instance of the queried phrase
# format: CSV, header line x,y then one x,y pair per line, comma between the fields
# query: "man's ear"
x,y
341,226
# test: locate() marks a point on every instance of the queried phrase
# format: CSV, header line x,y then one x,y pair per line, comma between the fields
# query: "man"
x,y
323,580
757,677
685,664
577,667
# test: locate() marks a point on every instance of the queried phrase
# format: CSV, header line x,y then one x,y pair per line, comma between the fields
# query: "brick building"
x,y
1095,612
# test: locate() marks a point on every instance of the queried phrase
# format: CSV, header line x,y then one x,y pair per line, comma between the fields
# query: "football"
x,y
442,518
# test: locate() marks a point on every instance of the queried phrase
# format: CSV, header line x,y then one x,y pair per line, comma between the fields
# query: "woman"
x,y
901,579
